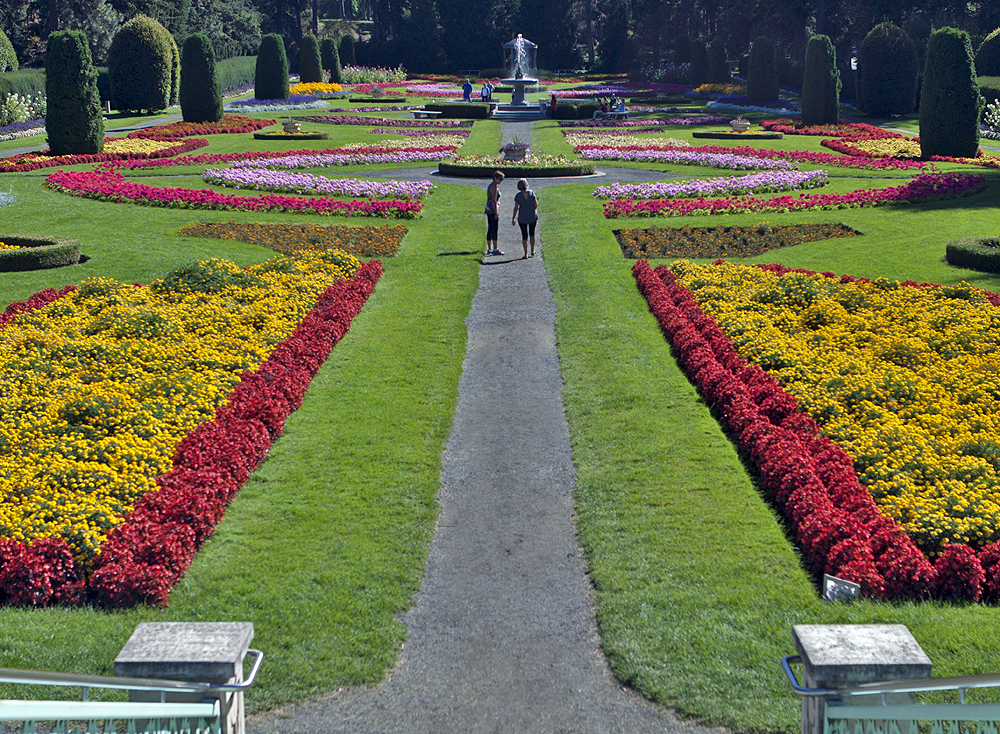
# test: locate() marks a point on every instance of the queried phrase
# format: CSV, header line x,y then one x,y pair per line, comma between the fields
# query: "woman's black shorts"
x,y
527,229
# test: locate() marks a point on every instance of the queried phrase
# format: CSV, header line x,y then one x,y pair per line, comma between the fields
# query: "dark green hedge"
x,y
887,65
310,65
950,104
577,111
236,72
347,55
141,66
448,168
463,110
201,93
38,252
821,83
718,62
271,80
989,87
975,253
73,120
698,73
25,83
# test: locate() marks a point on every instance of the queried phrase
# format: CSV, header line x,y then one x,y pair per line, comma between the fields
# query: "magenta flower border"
x,y
809,479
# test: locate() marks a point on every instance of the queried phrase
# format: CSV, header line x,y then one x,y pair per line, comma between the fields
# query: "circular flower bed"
x,y
282,135
537,166
19,252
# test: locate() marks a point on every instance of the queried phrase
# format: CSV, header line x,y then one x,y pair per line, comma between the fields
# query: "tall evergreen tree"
x,y
271,80
330,57
201,90
310,65
73,120
950,103
551,24
821,83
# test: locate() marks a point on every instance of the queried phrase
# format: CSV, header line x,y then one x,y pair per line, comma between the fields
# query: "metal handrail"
x,y
959,683
47,678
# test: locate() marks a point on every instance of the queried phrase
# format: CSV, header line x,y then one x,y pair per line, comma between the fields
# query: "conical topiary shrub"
x,y
141,66
201,90
73,118
698,73
330,58
762,71
347,57
310,64
271,79
821,83
988,55
718,62
950,103
887,67
8,59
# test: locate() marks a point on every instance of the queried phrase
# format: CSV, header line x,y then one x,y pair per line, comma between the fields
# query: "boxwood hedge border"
x,y
37,252
975,253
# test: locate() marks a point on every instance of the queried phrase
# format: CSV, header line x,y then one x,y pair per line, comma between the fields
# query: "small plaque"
x,y
835,589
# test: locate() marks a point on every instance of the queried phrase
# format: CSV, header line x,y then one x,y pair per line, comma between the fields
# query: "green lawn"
x,y
697,584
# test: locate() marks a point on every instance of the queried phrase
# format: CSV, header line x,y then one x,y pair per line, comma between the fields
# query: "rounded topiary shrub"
x,y
762,71
821,83
271,80
975,253
141,66
310,64
330,58
718,62
950,103
347,56
73,118
988,55
887,67
201,91
698,74
8,59
33,252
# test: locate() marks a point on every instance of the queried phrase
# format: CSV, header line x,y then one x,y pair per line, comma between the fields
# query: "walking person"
x,y
467,91
525,215
493,214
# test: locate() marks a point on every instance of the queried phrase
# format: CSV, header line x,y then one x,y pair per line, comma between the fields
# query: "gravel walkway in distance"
x,y
502,637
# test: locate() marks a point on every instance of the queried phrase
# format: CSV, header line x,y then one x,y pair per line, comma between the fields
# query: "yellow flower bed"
x,y
5,246
136,145
889,147
315,88
98,388
905,379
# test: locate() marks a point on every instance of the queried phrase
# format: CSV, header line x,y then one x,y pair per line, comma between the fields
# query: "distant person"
x,y
525,215
552,104
489,86
485,93
467,91
493,214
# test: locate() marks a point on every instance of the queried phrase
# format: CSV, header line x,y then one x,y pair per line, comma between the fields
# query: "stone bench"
x,y
614,115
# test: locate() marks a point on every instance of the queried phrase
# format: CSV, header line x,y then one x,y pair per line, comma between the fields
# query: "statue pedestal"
x,y
517,98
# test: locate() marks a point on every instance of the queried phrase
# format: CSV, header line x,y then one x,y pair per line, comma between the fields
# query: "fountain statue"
x,y
519,60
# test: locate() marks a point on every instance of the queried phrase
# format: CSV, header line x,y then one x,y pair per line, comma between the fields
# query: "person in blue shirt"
x,y
467,91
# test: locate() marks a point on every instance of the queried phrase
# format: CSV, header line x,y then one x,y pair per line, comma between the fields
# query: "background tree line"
x,y
453,35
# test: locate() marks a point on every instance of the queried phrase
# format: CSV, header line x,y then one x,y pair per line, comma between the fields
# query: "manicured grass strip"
x,y
697,584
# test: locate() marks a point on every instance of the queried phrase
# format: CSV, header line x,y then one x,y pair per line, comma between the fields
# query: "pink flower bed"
x,y
926,187
146,555
109,186
810,480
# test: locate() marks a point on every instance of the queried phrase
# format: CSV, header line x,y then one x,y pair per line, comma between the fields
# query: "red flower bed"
x,y
145,556
228,124
32,162
809,479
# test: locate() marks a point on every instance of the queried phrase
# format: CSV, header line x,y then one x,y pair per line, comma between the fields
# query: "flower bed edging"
x,y
145,555
810,480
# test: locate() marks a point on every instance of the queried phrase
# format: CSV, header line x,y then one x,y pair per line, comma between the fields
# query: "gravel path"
x,y
502,637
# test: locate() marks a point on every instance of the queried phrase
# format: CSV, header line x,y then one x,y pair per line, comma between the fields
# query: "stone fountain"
x,y
519,59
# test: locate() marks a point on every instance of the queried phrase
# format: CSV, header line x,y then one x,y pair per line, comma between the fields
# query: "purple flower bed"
x,y
756,183
385,121
22,129
417,133
293,99
347,159
685,158
261,178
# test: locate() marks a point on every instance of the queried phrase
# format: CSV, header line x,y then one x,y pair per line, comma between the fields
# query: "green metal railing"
x,y
110,717
910,717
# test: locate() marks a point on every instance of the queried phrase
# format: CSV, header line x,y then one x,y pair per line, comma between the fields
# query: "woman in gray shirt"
x,y
526,215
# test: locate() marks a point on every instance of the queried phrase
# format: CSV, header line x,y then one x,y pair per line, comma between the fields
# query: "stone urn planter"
x,y
515,155
290,126
740,126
